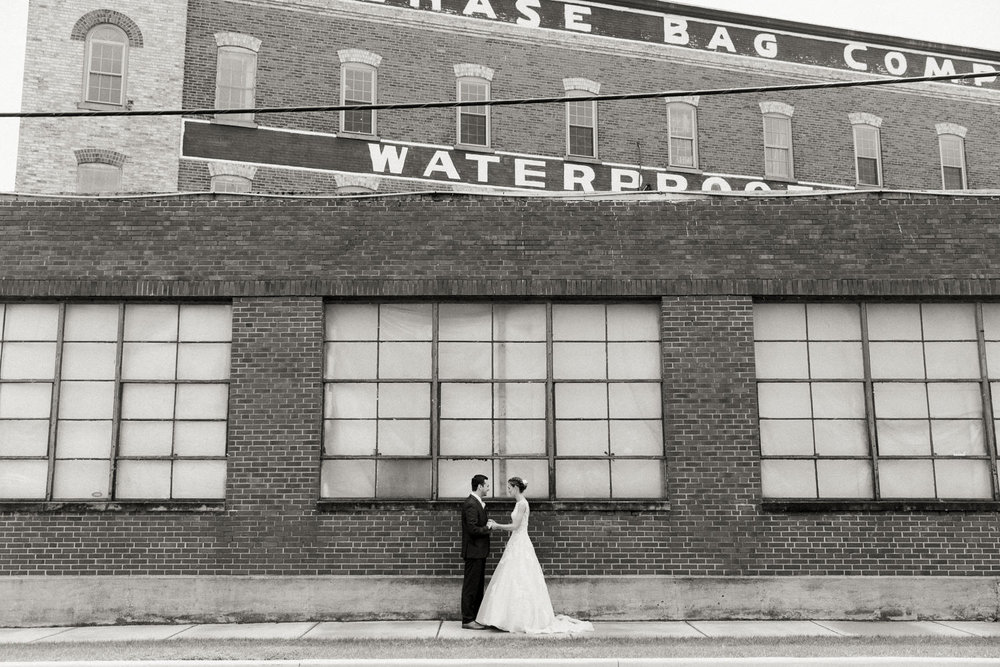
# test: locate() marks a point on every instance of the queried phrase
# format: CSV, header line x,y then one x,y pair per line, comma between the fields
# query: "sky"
x,y
974,23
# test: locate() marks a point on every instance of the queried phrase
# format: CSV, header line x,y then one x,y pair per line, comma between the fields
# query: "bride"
x,y
517,599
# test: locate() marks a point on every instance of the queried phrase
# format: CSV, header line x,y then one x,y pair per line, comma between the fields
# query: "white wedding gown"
x,y
517,599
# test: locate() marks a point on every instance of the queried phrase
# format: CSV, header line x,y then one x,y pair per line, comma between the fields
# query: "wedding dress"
x,y
516,599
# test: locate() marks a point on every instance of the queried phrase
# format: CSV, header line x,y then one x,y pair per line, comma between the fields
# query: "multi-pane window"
x,y
778,146
878,400
236,78
952,161
682,131
104,401
231,183
358,81
868,153
107,62
473,121
420,397
581,126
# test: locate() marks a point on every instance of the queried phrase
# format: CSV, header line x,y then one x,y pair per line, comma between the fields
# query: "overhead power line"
x,y
497,103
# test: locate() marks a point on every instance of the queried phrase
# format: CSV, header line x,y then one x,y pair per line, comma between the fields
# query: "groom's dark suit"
x,y
475,549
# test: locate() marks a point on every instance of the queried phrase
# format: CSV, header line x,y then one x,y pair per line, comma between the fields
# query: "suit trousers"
x,y
473,586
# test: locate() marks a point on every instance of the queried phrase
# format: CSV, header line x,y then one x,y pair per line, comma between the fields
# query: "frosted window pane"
x,y
634,322
637,479
900,400
465,322
404,400
841,437
637,438
991,321
27,321
83,440
348,479
206,323
788,479
578,322
352,322
199,479
582,361
635,401
906,479
897,360
91,322
466,401
894,322
404,437
519,361
150,322
26,401
149,361
634,361
834,321
147,401
519,437
89,361
958,437
785,400
145,438
955,399
951,321
86,400
203,361
28,361
581,438
403,479
781,360
993,359
581,401
143,479
519,322
903,437
404,360
349,437
786,437
466,437
836,360
24,437
405,322
84,480
774,321
465,360
357,401
23,479
200,438
952,360
535,473
964,479
202,401
455,477
583,479
519,401
845,479
352,361
838,400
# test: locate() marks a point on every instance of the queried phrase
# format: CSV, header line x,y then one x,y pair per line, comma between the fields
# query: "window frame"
x,y
859,128
591,106
90,174
348,69
88,70
673,135
468,112
961,167
248,61
789,161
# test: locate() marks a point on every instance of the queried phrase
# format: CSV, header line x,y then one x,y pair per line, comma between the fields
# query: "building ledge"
x,y
828,506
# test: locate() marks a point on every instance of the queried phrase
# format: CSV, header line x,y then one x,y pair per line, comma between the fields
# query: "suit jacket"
x,y
475,534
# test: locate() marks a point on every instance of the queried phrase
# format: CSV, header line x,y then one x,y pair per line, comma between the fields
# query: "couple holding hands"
x,y
517,599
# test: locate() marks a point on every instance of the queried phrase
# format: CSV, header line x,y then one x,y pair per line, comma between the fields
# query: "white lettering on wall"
x,y
896,63
625,179
933,69
529,17
979,67
442,162
483,168
675,31
850,59
435,4
766,45
479,7
671,183
578,175
721,38
575,15
717,184
387,156
755,186
522,173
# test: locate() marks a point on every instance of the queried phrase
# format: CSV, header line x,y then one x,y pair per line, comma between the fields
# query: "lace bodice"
x,y
519,517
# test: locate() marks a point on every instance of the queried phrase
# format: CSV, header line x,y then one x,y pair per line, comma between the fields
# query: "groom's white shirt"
x,y
481,501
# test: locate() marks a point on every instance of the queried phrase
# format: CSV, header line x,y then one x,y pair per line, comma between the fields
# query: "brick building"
x,y
263,407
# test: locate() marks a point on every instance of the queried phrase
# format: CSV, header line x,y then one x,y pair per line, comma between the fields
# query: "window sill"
x,y
684,170
473,148
537,505
582,159
222,120
358,135
130,506
780,179
916,505
100,106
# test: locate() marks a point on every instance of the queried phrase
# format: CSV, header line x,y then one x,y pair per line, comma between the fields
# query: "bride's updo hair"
x,y
518,482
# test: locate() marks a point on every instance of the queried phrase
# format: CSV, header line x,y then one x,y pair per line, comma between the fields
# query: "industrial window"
x,y
867,148
778,140
682,130
98,178
420,397
236,76
113,401
106,65
952,161
879,401
473,121
358,86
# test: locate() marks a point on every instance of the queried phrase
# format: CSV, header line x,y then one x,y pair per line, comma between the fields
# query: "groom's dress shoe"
x,y
474,626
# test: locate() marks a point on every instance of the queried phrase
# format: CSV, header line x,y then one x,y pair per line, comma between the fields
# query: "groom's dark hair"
x,y
478,480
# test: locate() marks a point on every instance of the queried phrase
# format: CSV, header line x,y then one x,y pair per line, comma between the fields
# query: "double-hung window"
x,y
682,133
113,401
106,65
358,87
581,118
419,397
867,148
951,142
473,84
777,140
236,75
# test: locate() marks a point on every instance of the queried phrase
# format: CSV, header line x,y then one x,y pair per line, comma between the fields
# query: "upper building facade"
x,y
326,54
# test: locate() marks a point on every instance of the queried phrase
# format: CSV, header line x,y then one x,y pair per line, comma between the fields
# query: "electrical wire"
x,y
503,102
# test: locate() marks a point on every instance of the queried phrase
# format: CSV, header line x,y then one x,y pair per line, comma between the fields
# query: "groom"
x,y
475,549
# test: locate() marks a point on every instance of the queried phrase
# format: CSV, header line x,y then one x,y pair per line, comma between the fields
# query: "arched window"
x,y
581,118
99,171
358,85
231,177
951,142
778,140
473,84
236,76
106,65
867,148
